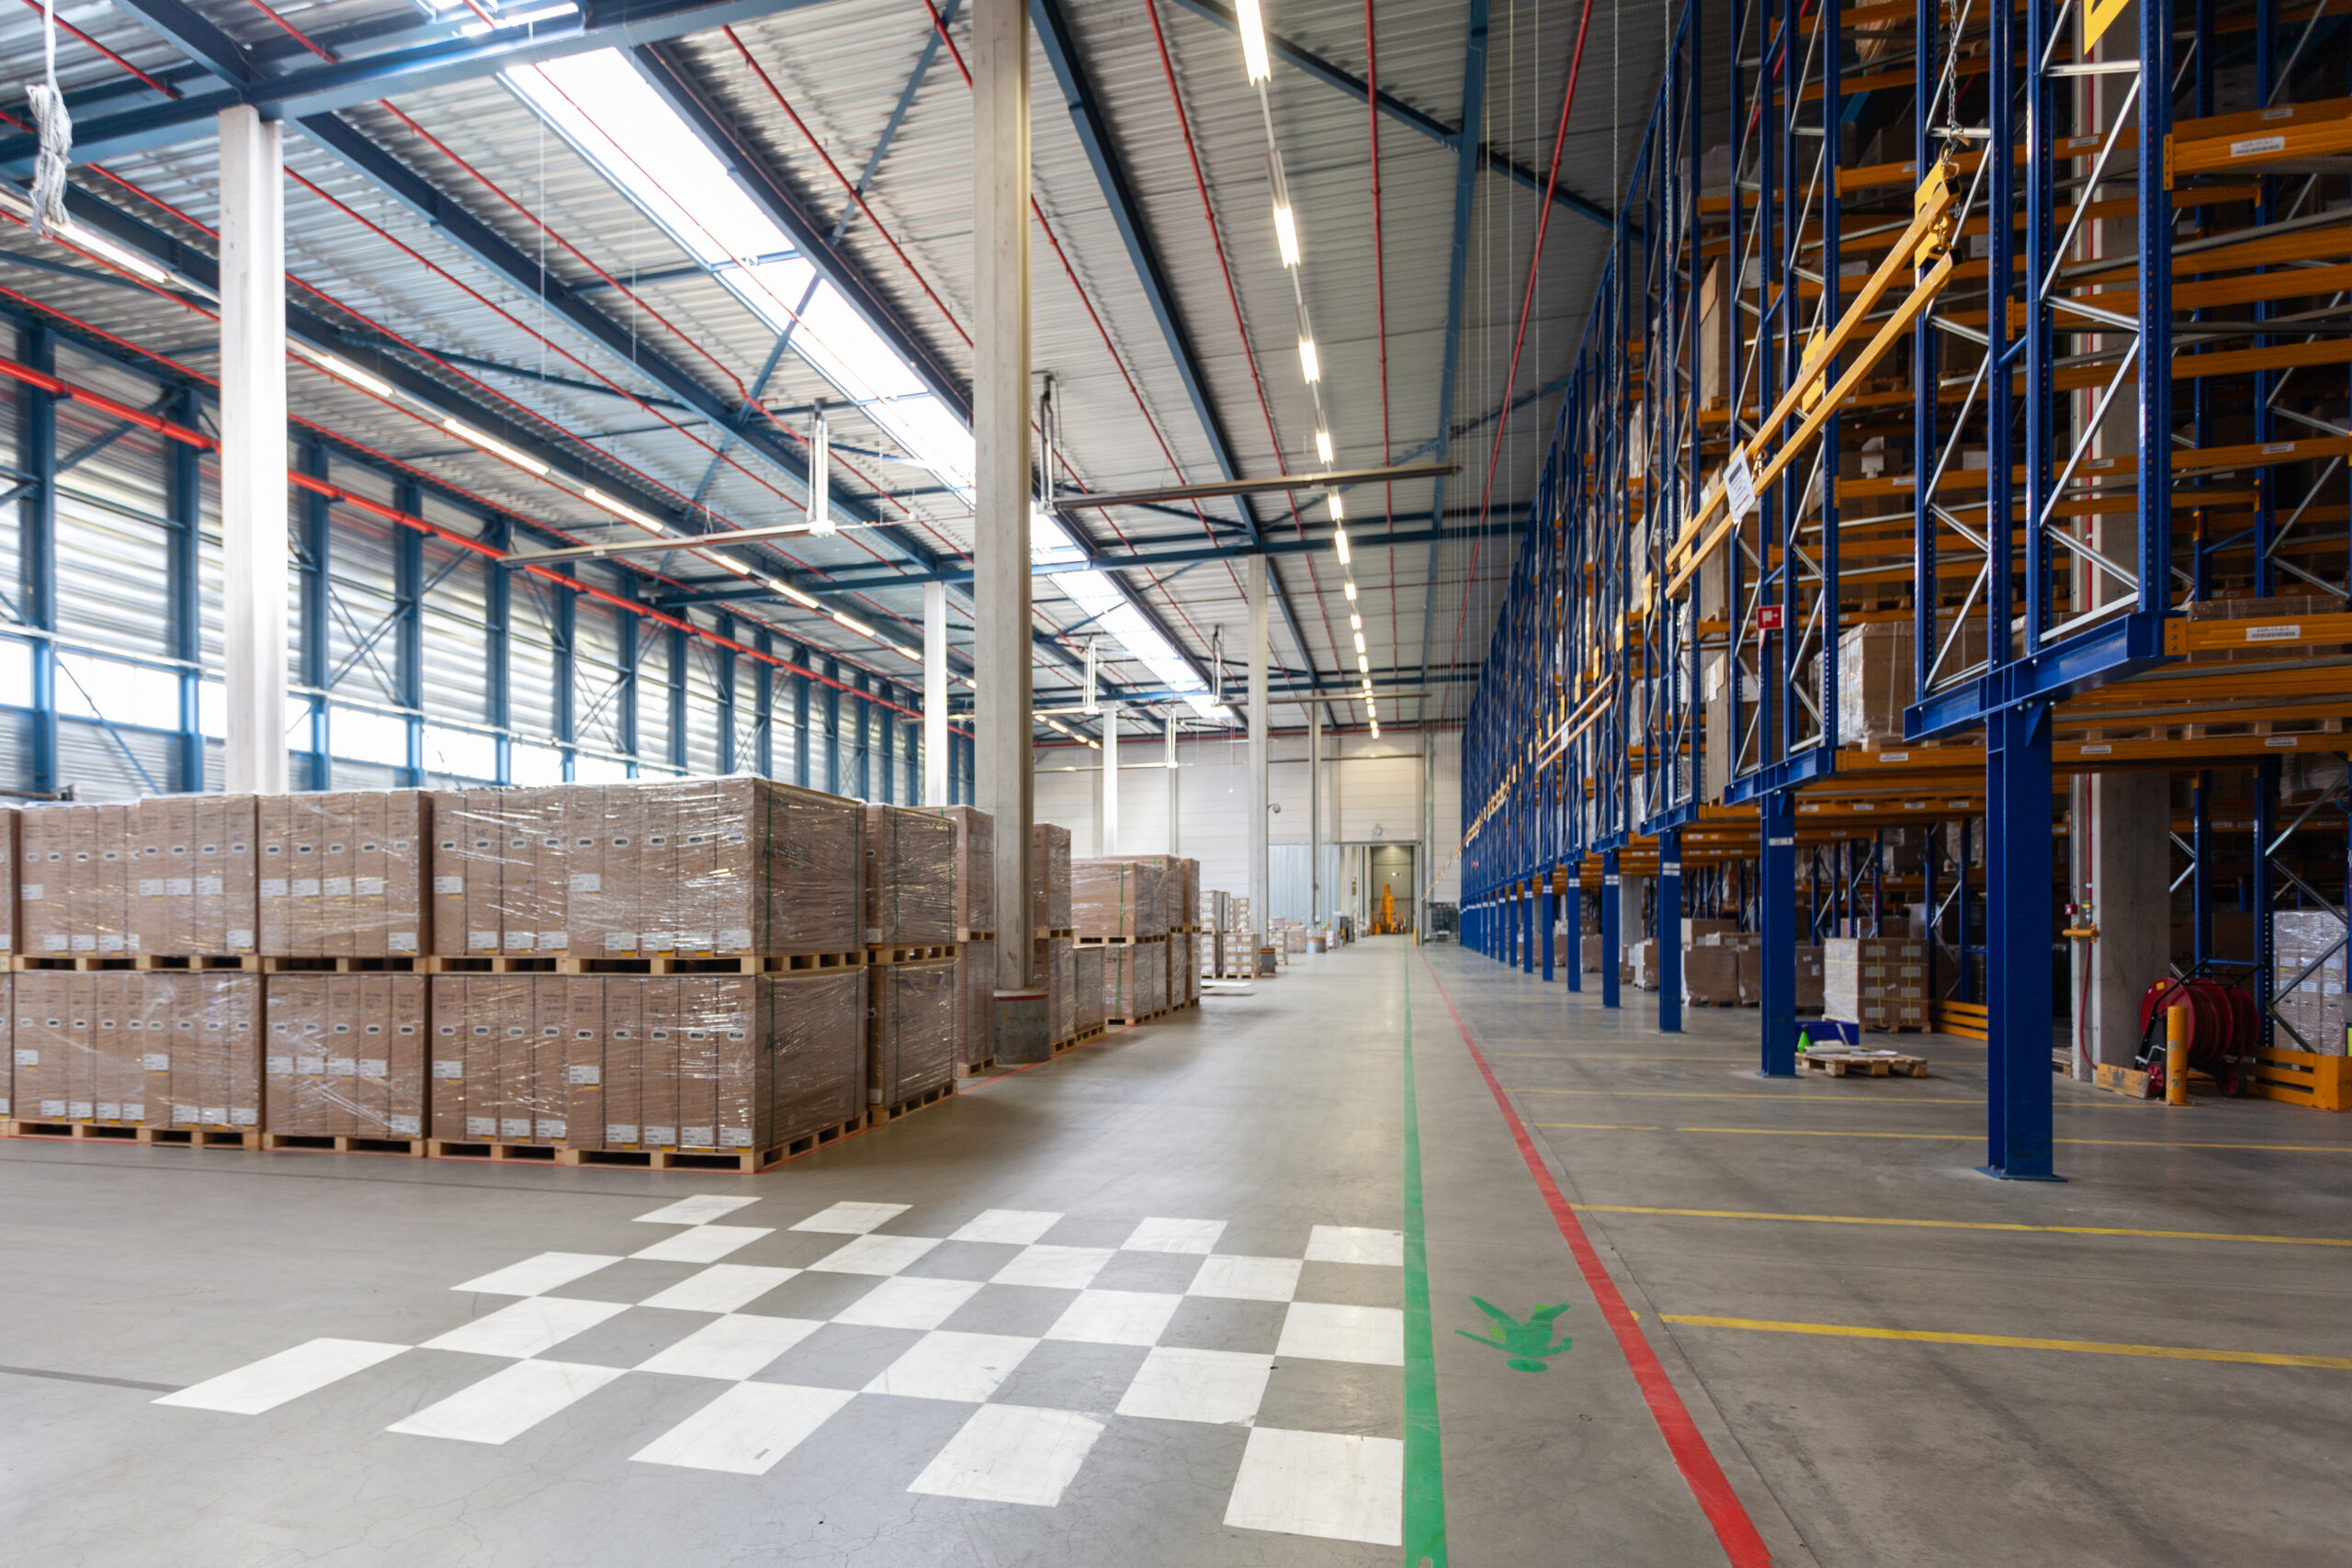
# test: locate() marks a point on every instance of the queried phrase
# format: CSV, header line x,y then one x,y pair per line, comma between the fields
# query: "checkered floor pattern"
x,y
1046,1341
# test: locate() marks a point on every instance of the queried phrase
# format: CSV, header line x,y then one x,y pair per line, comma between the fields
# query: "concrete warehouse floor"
x,y
1152,1303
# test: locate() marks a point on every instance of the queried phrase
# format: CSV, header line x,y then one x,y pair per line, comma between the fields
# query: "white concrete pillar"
x,y
1314,813
1261,870
2126,823
934,693
254,552
1175,836
1000,442
1110,778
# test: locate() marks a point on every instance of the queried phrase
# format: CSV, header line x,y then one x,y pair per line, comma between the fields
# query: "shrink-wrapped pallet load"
x,y
76,875
1118,899
139,1048
343,1055
911,1034
1049,878
1056,976
1090,1008
1877,982
976,1003
344,874
193,871
910,878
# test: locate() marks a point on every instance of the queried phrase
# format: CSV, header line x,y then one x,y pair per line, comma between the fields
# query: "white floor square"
x,y
1116,1317
902,1302
722,1287
698,1210
875,1255
953,1366
508,1403
1057,1268
852,1219
1174,1236
702,1244
530,1327
1353,1243
1321,1484
1021,1226
1179,1385
1010,1453
269,1383
734,1346
1246,1279
533,1274
1325,1331
746,1429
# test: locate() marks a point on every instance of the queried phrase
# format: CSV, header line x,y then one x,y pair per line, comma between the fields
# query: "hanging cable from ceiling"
x,y
56,127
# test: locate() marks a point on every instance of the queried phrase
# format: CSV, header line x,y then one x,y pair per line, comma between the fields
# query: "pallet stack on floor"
x,y
975,929
1055,958
912,982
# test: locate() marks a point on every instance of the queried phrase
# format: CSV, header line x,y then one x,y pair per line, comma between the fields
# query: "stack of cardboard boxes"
x,y
913,983
2312,1004
138,1048
1878,982
974,920
342,874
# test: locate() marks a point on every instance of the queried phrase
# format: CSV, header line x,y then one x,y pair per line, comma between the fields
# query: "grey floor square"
x,y
1025,1310
1063,1375
787,1248
1210,1323
1081,1230
839,1355
630,1279
1334,1396
1164,1272
1264,1239
1352,1284
859,1463
962,1260
818,1296
629,1338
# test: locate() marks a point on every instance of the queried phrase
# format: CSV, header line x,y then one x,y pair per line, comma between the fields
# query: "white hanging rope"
x,y
56,132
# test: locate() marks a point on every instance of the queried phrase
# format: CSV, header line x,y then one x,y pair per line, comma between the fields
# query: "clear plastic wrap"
x,y
1877,982
10,849
1058,974
193,874
910,877
1134,979
156,1048
910,1031
344,1055
1118,898
691,867
975,872
976,998
1092,1010
2308,940
1151,976
73,895
343,873
1050,875
817,1048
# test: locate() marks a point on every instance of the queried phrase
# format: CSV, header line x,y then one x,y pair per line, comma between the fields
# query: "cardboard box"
x,y
1049,878
816,1050
658,1061
975,1010
1710,977
1116,897
910,1040
1056,972
910,877
345,1055
623,1001
1091,1008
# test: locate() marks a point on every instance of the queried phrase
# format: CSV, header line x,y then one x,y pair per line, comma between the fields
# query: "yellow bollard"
x,y
2177,1055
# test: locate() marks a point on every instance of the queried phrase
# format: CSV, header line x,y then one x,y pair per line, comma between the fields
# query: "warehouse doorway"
x,y
1389,889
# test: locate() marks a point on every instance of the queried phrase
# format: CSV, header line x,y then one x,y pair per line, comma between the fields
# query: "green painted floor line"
x,y
1424,1469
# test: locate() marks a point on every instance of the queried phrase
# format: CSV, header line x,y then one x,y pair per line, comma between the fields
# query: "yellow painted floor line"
x,y
1963,1225
1957,1137
2008,1342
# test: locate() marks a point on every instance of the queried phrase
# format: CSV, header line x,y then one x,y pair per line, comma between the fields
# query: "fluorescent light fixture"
x,y
343,372
909,654
1359,642
521,18
1339,543
1375,729
625,512
494,447
1254,40
1286,233
853,623
1096,744
1355,622
805,600
1322,444
1056,724
1312,365
1339,507
1364,665
969,685
821,475
1351,591
99,245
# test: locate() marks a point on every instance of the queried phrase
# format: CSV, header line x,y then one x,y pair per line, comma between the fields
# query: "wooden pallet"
x,y
907,952
486,964
1131,1019
106,1132
1086,1036
231,962
87,962
974,1069
724,964
909,1106
1045,934
964,936
487,1148
1119,941
344,964
1843,1064
343,1143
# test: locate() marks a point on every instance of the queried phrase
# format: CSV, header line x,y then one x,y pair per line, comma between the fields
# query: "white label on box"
x,y
452,885
156,1062
550,1128
555,942
79,1110
513,1126
620,1132
486,941
241,936
306,887
2282,740
662,1137
2274,633
51,942
693,941
216,1115
279,1066
400,941
273,888
245,1115
110,1111
697,1137
620,941
310,1066
183,1113
31,892
367,886
151,888
450,1069
521,941
179,887
874,933
209,887
27,1057
587,881
341,1068
85,943
587,1075
2255,146
57,1108
2099,749
335,886
407,1127
735,1137
735,941
481,1127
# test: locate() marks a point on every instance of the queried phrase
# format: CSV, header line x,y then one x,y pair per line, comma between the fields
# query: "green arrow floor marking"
x,y
1424,1474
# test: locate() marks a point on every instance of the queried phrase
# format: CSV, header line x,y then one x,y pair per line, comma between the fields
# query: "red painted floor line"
x,y
1733,1528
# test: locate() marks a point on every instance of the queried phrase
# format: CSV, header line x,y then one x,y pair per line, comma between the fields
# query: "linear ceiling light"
x,y
1364,665
1322,444
853,623
806,601
1312,365
624,511
1339,543
1252,28
494,447
1351,591
343,372
1286,233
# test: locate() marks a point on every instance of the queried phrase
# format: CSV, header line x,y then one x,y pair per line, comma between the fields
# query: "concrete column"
x,y
1109,832
2123,832
1314,814
1175,819
1260,880
934,693
253,450
1004,768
